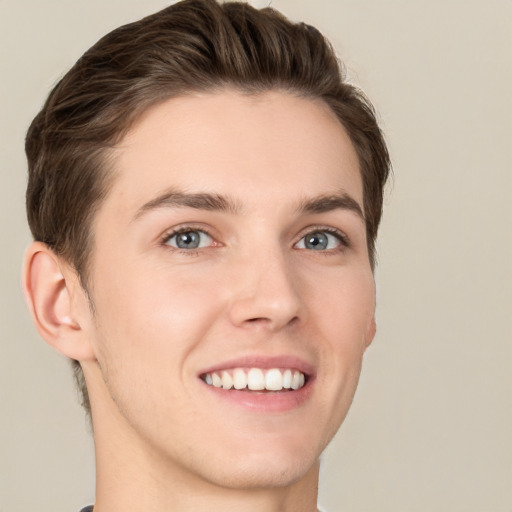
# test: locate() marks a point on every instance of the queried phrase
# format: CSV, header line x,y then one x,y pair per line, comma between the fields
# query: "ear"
x,y
56,301
370,331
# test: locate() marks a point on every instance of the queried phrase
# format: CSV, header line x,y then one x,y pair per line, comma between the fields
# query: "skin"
x,y
164,440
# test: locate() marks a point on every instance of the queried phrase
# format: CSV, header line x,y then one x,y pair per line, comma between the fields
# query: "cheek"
x,y
155,318
148,329
344,303
343,313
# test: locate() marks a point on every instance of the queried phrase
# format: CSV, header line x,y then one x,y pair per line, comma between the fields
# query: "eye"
x,y
321,241
189,239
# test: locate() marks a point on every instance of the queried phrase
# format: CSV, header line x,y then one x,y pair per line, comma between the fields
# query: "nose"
x,y
265,293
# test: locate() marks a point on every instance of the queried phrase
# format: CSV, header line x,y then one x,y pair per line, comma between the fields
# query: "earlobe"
x,y
49,295
370,331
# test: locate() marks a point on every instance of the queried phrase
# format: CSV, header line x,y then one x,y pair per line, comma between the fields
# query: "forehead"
x,y
234,143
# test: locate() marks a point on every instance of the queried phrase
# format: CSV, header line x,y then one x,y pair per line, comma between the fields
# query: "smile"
x,y
256,379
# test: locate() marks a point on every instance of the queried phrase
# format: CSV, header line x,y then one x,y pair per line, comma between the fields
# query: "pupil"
x,y
316,241
188,240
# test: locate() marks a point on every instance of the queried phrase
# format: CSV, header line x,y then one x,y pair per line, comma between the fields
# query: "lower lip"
x,y
269,401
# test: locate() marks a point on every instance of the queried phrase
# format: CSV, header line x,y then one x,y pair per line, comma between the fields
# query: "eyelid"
x,y
184,228
343,239
340,235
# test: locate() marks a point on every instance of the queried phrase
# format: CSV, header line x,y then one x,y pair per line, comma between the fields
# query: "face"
x,y
232,287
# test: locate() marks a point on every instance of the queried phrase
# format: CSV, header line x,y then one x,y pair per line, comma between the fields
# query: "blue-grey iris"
x,y
316,241
188,240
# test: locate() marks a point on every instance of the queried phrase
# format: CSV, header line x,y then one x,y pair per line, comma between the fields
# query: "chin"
x,y
265,467
264,474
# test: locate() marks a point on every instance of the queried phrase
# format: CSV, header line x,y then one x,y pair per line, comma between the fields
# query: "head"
x,y
193,50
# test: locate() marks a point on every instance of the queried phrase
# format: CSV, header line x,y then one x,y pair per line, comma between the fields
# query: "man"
x,y
204,194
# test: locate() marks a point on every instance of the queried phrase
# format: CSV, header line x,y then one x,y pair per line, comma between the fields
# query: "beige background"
x,y
430,429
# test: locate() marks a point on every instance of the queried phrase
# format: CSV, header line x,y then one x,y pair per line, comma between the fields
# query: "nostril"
x,y
269,323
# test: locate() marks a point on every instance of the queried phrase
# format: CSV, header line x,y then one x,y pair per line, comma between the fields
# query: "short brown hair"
x,y
191,46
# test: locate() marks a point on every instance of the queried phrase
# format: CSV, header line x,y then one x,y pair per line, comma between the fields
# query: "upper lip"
x,y
263,362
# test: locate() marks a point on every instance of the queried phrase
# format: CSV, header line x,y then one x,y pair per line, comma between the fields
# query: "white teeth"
x,y
227,380
295,380
287,379
239,379
256,379
274,380
217,381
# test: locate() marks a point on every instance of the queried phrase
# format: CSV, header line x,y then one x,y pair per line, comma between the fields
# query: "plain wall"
x,y
430,428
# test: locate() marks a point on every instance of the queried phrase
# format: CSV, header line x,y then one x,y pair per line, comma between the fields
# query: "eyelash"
x,y
339,235
184,229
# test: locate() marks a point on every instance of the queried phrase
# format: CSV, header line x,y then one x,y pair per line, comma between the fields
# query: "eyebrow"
x,y
216,202
199,201
327,203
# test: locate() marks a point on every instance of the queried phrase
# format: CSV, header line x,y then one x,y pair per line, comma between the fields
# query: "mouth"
x,y
261,383
256,379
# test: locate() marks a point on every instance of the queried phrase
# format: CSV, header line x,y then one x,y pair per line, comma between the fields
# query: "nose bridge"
x,y
265,289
